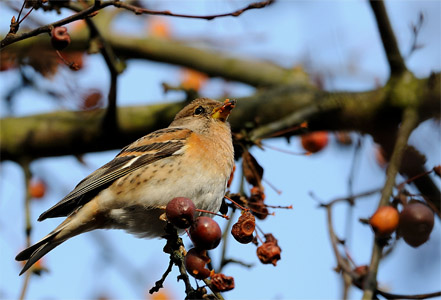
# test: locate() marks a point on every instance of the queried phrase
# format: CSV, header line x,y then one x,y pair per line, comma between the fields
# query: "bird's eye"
x,y
199,110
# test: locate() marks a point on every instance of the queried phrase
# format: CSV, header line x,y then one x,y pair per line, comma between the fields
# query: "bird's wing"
x,y
146,150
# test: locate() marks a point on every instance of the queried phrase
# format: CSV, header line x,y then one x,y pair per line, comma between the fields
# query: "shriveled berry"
x,y
269,252
384,221
314,141
195,262
416,223
222,283
243,230
60,38
256,203
180,212
205,233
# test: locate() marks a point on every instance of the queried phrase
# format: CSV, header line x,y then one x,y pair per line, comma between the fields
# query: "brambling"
x,y
193,158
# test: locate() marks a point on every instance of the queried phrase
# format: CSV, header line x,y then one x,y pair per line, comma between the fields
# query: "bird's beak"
x,y
222,113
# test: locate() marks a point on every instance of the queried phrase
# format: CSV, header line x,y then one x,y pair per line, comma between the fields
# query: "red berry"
x,y
60,39
180,212
384,221
205,233
315,141
416,223
195,262
37,188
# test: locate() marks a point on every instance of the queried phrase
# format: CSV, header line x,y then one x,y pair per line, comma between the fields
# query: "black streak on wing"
x,y
90,186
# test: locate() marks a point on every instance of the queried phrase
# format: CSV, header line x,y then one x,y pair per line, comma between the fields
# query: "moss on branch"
x,y
69,132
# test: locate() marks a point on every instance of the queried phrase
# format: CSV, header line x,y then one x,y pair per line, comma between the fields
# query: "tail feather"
x,y
38,250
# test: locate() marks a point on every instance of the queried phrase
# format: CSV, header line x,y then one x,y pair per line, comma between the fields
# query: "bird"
x,y
193,157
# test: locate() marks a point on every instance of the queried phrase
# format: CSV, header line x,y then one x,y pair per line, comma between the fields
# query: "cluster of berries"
x,y
205,234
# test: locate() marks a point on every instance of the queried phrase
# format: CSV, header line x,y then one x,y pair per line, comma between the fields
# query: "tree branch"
x,y
70,133
396,61
13,38
410,121
213,63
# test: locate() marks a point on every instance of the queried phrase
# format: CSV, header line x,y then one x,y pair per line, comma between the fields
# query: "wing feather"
x,y
146,150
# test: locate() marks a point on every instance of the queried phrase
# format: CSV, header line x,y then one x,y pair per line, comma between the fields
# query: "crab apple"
x,y
384,221
243,230
416,223
37,188
60,38
269,252
314,141
180,212
222,283
205,233
195,262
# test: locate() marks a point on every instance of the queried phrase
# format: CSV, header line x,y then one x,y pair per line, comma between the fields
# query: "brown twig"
x,y
396,61
417,296
139,10
160,282
98,5
28,223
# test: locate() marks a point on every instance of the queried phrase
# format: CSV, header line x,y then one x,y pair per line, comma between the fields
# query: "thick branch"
x,y
396,61
68,133
213,63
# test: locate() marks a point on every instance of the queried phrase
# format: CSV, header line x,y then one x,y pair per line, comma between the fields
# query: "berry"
x,y
205,233
269,252
384,221
195,262
180,212
37,188
243,230
314,141
222,283
60,39
416,223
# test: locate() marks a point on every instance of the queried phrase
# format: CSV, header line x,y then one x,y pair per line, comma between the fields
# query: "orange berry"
x,y
315,141
384,221
37,188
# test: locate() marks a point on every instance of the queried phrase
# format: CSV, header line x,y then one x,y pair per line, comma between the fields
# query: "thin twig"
x,y
28,223
396,61
98,5
418,296
410,120
160,282
140,10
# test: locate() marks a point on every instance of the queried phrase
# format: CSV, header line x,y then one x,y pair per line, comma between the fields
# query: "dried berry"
x,y
180,212
243,230
416,223
314,141
384,221
222,283
195,262
256,203
37,188
205,233
269,252
60,38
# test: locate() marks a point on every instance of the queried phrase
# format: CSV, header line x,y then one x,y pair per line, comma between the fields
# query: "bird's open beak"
x,y
222,113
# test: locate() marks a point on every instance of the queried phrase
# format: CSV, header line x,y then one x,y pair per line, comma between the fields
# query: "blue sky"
x,y
337,38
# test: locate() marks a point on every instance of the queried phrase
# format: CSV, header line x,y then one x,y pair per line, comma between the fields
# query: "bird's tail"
x,y
38,250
